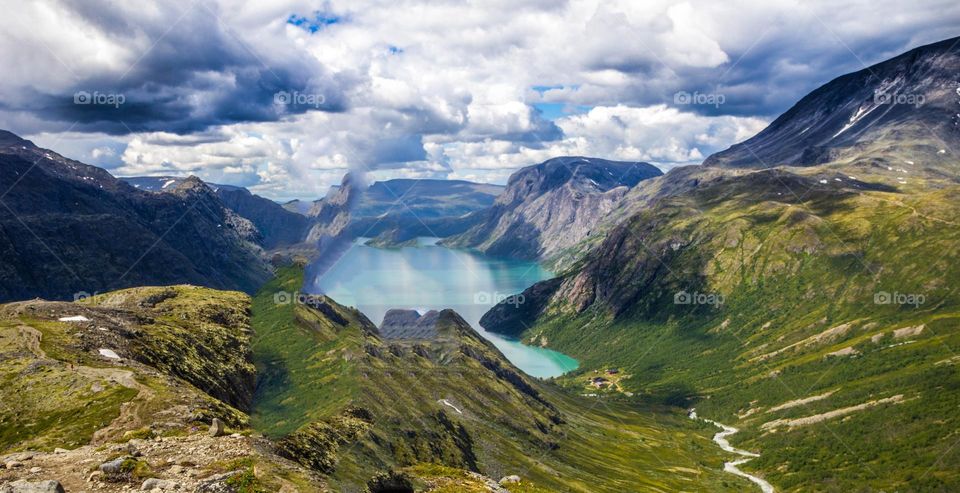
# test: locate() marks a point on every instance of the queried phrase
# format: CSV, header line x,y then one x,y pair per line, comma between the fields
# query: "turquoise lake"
x,y
430,277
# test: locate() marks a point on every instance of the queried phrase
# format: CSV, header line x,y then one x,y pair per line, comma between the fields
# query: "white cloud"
x,y
657,134
443,87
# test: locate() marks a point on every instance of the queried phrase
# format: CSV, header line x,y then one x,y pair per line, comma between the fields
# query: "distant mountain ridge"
x,y
277,225
551,206
907,105
68,227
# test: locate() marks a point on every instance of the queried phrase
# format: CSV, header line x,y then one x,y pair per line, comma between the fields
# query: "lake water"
x,y
430,277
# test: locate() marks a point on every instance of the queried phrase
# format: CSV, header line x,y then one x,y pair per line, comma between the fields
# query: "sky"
x,y
284,97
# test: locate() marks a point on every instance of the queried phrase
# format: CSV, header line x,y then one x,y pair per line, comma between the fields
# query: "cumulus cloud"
x,y
424,89
120,68
658,134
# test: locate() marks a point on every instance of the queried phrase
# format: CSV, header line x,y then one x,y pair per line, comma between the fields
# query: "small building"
x,y
613,371
599,382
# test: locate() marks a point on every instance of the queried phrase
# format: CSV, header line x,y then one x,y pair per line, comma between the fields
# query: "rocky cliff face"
x,y
278,226
332,214
904,108
551,206
67,228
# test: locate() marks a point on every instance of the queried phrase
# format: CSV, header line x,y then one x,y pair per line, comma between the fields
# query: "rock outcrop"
x,y
552,206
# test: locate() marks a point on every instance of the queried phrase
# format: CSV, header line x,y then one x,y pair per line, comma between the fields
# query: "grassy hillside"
x,y
824,321
141,369
352,404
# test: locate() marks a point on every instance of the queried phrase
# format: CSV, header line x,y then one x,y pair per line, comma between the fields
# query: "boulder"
x,y
159,484
132,448
22,486
513,479
217,483
216,428
114,466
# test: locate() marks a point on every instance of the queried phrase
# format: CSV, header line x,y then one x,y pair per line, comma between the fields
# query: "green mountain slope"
x,y
135,376
816,312
351,402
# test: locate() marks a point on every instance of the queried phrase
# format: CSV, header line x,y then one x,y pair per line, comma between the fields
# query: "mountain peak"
x,y
8,138
906,105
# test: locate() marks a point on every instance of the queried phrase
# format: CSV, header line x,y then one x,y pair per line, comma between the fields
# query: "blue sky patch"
x,y
318,22
553,111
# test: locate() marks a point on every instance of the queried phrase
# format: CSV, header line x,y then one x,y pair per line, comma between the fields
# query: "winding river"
x,y
428,277
732,467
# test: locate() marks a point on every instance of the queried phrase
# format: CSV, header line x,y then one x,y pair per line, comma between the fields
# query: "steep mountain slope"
x,y
822,327
298,206
552,206
903,109
813,307
396,212
66,228
131,380
349,399
277,226
332,215
153,183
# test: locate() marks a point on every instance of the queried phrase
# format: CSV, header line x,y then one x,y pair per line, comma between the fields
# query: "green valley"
x,y
343,399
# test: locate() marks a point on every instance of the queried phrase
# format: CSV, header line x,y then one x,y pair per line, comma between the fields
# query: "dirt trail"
x,y
916,212
129,417
732,467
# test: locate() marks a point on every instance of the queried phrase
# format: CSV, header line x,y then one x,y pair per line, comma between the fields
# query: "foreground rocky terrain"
x,y
184,388
144,385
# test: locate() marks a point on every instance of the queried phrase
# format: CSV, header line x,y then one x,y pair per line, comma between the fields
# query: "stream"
x,y
732,467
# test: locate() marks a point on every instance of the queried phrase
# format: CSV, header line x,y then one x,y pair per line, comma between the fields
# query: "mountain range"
x,y
61,221
551,206
800,287
809,304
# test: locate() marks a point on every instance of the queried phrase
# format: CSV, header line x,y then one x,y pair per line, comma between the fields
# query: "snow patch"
x,y
861,112
74,318
108,353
